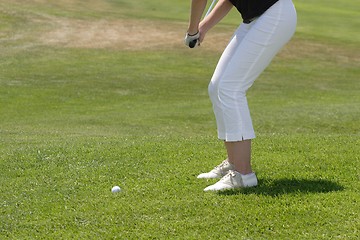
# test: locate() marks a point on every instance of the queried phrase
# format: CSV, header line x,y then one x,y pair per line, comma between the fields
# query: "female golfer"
x,y
267,26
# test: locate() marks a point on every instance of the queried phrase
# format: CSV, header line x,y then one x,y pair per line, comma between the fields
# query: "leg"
x,y
249,52
239,154
220,70
243,61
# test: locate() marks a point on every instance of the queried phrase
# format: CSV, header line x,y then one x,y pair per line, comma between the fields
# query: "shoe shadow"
x,y
271,187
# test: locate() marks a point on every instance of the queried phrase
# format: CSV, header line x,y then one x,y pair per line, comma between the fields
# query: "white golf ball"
x,y
116,189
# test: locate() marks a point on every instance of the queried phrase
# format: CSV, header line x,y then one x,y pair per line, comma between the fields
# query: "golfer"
x,y
266,27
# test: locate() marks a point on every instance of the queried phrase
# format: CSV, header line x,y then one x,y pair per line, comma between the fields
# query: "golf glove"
x,y
191,40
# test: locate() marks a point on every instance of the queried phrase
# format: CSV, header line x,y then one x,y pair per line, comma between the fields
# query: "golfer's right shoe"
x,y
219,171
233,180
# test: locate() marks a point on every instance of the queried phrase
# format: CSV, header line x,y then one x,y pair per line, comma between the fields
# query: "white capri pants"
x,y
248,53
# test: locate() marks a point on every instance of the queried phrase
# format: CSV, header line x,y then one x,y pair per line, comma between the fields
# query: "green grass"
x,y
76,121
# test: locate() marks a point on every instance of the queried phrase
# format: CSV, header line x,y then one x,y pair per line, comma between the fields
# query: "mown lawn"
x,y
76,120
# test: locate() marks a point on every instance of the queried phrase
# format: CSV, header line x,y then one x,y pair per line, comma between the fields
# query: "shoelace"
x,y
230,174
221,164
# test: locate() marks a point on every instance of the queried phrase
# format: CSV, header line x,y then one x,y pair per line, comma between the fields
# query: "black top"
x,y
250,9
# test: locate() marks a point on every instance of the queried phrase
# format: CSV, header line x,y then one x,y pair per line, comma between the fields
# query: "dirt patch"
x,y
141,34
121,34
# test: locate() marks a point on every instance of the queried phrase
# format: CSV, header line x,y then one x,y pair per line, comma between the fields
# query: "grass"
x,y
76,121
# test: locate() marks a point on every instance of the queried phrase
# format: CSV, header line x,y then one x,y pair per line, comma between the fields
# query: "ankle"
x,y
244,171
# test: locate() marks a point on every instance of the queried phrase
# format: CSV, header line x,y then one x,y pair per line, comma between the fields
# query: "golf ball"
x,y
116,189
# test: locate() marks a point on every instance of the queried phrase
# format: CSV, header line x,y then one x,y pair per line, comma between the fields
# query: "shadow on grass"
x,y
288,186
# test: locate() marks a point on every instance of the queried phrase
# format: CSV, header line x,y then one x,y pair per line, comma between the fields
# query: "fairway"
x,y
96,94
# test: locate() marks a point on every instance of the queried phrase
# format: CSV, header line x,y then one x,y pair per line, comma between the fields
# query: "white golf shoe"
x,y
219,171
234,180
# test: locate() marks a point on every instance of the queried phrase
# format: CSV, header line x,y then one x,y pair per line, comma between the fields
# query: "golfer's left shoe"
x,y
219,171
234,180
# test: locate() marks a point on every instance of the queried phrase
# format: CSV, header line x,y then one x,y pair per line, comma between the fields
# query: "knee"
x,y
212,89
231,92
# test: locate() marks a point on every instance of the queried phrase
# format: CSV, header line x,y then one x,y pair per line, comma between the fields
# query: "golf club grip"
x,y
193,43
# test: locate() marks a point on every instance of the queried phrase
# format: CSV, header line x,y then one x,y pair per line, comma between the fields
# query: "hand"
x,y
202,32
191,40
